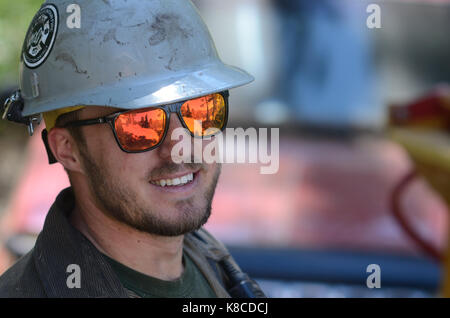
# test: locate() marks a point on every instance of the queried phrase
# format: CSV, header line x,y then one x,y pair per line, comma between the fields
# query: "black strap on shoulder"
x,y
237,283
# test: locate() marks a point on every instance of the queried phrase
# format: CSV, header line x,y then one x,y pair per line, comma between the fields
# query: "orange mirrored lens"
x,y
204,116
141,129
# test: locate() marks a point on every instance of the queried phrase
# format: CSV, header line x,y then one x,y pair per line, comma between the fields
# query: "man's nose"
x,y
165,149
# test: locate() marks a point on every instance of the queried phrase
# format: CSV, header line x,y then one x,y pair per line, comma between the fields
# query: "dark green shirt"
x,y
191,284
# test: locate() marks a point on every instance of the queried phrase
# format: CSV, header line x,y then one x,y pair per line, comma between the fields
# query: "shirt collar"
x,y
59,245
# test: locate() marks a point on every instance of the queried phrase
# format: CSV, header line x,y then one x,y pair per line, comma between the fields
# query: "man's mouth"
x,y
175,182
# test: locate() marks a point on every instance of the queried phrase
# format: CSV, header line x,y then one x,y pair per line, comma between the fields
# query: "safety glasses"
x,y
145,129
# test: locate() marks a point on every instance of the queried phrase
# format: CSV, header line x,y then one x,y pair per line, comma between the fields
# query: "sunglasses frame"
x,y
168,109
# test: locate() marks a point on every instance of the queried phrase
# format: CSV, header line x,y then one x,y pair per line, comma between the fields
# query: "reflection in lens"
x,y
210,110
140,130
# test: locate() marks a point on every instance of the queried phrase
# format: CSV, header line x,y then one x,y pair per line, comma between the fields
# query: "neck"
x,y
156,256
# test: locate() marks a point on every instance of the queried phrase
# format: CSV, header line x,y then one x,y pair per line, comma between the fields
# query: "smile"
x,y
188,178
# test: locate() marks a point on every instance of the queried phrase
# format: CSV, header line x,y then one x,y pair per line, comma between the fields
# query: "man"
x,y
113,79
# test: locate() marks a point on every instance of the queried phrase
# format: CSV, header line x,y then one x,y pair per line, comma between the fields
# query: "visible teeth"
x,y
174,182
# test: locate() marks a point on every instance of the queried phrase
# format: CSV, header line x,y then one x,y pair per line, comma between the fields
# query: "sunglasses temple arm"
x,y
87,122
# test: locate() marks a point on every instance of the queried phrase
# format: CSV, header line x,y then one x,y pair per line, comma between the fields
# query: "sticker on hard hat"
x,y
40,36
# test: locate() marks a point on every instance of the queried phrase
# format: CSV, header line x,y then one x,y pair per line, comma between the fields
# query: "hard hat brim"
x,y
133,93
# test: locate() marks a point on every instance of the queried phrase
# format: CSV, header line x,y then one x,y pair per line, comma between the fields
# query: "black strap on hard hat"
x,y
51,157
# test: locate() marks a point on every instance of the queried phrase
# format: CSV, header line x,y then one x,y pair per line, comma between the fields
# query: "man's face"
x,y
124,187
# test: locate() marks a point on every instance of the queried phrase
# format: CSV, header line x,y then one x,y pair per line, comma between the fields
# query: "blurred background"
x,y
364,119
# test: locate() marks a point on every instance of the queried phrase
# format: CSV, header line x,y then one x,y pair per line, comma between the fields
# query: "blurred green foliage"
x,y
15,16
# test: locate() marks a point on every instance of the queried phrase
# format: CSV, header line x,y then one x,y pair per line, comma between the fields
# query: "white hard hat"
x,y
126,54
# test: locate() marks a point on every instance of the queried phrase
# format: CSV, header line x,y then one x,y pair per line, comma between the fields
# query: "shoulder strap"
x,y
197,253
227,271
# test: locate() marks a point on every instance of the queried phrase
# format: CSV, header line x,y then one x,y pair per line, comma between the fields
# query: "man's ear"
x,y
64,149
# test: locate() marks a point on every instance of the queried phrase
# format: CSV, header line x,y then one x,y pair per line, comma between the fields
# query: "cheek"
x,y
100,140
130,168
211,170
103,147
